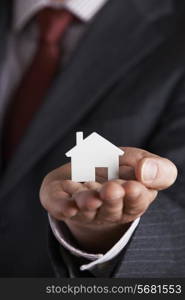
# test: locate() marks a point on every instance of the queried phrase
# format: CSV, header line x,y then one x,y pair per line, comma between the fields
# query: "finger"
x,y
60,205
88,202
87,212
112,194
93,185
153,171
65,171
158,173
72,187
127,173
136,201
55,196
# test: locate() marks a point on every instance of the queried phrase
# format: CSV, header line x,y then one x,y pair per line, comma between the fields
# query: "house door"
x,y
101,174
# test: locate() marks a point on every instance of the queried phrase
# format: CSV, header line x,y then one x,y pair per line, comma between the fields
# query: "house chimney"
x,y
79,137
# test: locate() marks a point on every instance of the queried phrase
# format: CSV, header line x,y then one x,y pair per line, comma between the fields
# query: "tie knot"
x,y
53,24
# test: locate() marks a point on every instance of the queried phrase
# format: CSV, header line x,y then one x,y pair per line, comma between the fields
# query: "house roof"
x,y
95,140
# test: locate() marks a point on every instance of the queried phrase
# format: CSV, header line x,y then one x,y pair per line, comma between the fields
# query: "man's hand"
x,y
98,213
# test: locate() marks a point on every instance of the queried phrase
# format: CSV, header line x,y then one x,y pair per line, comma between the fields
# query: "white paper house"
x,y
91,153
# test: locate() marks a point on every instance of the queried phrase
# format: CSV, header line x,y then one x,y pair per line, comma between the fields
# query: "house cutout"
x,y
90,153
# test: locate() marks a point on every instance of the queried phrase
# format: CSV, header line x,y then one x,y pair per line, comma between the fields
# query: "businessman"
x,y
115,67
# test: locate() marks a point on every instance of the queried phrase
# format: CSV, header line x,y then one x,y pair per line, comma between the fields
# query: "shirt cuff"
x,y
96,259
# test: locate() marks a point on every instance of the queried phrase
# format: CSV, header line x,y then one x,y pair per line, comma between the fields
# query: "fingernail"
x,y
149,170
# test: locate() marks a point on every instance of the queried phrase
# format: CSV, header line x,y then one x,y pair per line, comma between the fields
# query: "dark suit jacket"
x,y
125,81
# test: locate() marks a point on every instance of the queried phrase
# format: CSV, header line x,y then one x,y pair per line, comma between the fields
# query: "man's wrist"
x,y
99,238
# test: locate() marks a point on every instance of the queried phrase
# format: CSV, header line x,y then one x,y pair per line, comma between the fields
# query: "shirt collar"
x,y
85,10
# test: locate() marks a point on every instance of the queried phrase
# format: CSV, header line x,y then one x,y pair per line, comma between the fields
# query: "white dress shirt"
x,y
21,47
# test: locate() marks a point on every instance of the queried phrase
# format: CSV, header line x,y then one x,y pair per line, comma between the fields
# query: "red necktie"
x,y
37,78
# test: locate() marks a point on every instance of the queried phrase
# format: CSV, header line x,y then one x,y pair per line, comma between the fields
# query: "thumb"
x,y
156,172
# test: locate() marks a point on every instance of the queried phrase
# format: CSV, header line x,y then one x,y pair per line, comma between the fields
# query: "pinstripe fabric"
x,y
158,245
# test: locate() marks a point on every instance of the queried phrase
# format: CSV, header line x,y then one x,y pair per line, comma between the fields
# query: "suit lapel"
x,y
117,40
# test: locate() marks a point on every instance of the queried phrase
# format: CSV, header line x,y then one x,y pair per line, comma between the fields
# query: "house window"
x,y
101,174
